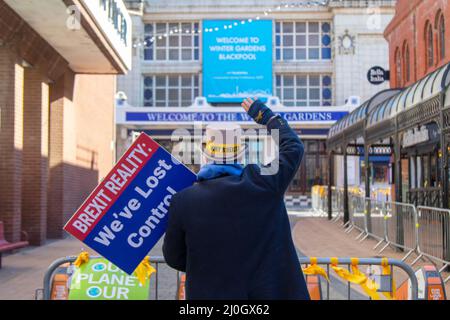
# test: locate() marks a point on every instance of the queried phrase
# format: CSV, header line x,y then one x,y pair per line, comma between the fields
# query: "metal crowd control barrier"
x,y
319,201
424,231
48,277
401,227
365,262
316,199
337,203
376,222
156,261
392,223
357,215
434,235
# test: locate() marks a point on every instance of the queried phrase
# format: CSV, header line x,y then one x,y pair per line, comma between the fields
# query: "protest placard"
x,y
99,279
126,214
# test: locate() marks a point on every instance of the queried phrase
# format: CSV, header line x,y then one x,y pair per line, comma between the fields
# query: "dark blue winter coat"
x,y
231,235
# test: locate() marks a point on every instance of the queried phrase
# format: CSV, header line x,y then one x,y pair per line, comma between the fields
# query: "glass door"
x,y
313,169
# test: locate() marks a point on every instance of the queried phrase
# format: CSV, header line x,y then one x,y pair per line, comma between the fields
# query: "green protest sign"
x,y
99,279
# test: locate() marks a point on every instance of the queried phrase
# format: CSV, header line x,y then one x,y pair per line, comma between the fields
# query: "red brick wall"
x,y
88,129
408,26
55,139
81,131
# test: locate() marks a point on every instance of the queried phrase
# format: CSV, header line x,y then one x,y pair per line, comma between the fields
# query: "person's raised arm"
x,y
290,151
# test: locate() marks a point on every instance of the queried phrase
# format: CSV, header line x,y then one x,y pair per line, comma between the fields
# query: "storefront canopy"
x,y
374,119
352,126
423,90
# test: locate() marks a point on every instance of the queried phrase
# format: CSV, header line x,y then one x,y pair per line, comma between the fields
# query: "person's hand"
x,y
248,103
257,110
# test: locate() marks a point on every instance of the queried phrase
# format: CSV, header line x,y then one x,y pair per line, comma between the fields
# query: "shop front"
x,y
421,156
415,124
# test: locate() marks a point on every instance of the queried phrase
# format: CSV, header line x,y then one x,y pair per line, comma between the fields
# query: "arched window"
x,y
440,27
398,68
406,63
429,44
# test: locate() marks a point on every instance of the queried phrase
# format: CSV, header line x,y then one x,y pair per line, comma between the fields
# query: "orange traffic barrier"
x,y
430,284
314,288
60,290
182,288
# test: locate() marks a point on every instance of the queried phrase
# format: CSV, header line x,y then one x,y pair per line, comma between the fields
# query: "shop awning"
x,y
423,90
352,126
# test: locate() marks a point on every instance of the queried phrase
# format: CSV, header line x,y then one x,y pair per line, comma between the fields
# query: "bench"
x,y
6,246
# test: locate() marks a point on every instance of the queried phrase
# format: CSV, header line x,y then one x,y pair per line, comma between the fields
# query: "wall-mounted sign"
x,y
415,136
237,60
114,21
373,151
117,17
177,117
377,75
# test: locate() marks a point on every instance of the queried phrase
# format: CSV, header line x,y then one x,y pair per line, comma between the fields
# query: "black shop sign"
x,y
377,75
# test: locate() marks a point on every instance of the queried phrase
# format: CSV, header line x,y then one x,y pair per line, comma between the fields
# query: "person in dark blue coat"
x,y
230,232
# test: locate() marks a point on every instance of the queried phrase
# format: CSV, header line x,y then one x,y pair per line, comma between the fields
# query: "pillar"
x,y
330,184
11,143
346,207
444,184
444,171
398,188
55,214
368,207
35,157
398,169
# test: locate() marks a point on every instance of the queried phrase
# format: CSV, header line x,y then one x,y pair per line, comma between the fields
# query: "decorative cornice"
x,y
361,3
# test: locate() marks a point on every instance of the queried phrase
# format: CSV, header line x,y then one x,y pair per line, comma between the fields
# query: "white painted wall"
x,y
371,49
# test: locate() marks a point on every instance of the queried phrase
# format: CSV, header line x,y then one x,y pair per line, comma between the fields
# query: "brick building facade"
x,y
418,39
58,65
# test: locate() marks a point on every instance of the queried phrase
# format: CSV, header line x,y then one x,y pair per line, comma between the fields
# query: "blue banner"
x,y
237,60
303,116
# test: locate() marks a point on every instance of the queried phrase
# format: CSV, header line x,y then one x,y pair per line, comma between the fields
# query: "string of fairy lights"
x,y
196,31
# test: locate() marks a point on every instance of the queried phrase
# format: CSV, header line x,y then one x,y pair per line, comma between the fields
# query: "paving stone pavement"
x,y
318,237
23,271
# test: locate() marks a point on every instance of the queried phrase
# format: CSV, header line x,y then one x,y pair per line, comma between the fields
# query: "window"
x,y
303,90
313,170
440,26
406,63
302,41
429,44
170,90
171,41
398,67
